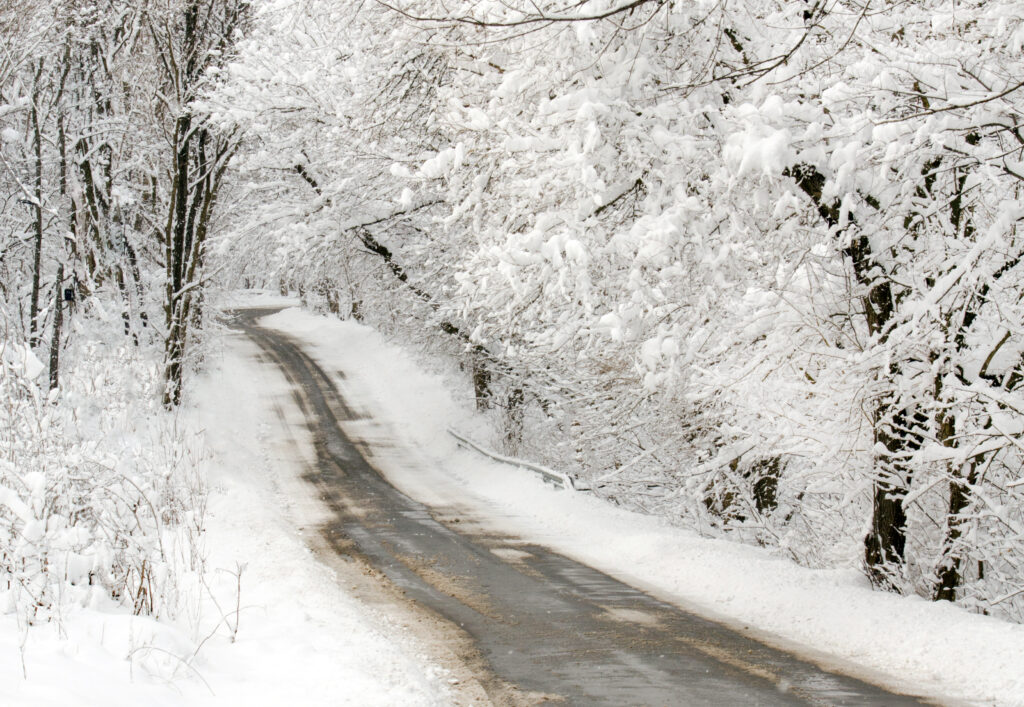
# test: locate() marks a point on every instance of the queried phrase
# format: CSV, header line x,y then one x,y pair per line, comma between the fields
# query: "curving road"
x,y
546,627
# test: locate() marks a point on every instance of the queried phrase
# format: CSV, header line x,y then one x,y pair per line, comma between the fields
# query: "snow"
x,y
301,637
830,616
23,358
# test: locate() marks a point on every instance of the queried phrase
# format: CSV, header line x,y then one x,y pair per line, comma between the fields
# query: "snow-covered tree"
x,y
752,264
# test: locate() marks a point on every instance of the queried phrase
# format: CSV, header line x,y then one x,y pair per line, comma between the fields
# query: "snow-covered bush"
x,y
100,496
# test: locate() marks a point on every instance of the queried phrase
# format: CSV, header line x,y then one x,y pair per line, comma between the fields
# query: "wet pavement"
x,y
550,627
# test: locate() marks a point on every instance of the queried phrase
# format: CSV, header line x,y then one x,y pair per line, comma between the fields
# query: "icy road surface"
x,y
543,627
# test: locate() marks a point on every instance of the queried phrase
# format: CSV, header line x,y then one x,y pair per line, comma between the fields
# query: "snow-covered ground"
x,y
831,616
301,638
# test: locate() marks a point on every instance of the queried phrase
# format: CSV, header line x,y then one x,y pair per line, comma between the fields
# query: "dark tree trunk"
x,y
950,575
885,544
899,433
174,348
133,267
178,222
92,211
37,246
58,322
188,227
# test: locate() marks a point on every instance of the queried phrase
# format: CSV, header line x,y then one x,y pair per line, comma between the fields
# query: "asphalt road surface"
x,y
551,628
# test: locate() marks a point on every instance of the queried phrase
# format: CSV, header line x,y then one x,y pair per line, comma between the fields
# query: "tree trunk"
x,y
174,247
187,229
58,322
885,543
37,246
950,571
949,574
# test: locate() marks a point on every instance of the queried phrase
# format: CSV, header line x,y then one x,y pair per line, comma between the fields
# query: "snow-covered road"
x,y
541,624
832,616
